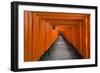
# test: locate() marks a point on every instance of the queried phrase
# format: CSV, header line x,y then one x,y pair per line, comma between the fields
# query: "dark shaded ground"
x,y
61,50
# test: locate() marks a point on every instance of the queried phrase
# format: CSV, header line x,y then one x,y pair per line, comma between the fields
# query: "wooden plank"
x,y
30,36
26,50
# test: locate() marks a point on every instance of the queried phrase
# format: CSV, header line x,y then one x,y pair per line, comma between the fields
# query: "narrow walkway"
x,y
61,50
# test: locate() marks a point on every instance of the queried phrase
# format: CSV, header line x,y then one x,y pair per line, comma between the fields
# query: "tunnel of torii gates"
x,y
42,28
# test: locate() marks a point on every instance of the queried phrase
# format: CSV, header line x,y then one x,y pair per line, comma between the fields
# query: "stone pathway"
x,y
61,50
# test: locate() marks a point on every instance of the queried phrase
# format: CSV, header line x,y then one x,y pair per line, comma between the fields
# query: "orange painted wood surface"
x,y
38,36
39,32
